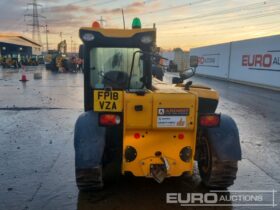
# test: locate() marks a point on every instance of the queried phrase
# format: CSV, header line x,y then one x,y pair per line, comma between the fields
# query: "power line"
x,y
216,13
169,8
36,35
76,2
250,7
12,26
103,3
275,12
227,20
259,5
268,25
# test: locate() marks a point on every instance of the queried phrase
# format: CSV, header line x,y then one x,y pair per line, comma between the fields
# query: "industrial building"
x,y
18,46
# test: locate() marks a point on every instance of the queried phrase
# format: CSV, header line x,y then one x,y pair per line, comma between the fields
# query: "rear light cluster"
x,y
209,120
109,119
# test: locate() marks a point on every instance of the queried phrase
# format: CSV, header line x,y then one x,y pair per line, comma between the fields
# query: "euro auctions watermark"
x,y
249,198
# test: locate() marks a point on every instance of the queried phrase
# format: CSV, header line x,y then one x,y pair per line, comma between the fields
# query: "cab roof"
x,y
130,38
118,33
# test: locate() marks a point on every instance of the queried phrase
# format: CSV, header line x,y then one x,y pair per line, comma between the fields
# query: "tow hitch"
x,y
159,171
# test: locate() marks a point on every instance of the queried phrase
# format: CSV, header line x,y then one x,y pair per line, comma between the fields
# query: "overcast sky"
x,y
180,23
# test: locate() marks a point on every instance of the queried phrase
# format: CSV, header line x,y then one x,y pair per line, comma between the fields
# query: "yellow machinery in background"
x,y
55,59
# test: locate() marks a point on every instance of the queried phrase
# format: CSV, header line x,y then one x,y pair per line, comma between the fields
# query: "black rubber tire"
x,y
112,158
109,172
89,143
89,179
97,178
214,173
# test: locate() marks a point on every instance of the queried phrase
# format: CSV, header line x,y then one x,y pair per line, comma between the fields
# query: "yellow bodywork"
x,y
155,137
200,91
150,131
159,124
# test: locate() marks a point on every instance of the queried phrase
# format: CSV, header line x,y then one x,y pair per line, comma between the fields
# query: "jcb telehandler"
x,y
136,124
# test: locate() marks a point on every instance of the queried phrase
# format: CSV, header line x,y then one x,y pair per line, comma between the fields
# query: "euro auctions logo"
x,y
268,61
251,198
192,198
209,60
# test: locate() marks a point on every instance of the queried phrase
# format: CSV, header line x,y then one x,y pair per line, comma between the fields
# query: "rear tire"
x,y
96,179
89,144
98,157
112,157
215,173
89,179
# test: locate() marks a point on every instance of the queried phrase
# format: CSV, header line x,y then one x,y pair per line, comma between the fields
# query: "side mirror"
x,y
187,74
177,80
193,61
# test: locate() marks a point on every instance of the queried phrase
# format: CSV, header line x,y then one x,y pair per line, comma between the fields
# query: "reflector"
x,y
137,135
181,136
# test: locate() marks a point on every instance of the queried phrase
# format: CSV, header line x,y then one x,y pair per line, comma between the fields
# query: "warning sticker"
x,y
173,111
171,121
172,117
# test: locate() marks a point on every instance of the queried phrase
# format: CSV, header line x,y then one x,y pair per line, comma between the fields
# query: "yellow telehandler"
x,y
134,123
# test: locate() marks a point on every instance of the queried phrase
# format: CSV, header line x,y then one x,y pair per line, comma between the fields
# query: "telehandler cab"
x,y
136,124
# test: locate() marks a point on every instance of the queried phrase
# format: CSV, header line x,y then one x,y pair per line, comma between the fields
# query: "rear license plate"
x,y
108,101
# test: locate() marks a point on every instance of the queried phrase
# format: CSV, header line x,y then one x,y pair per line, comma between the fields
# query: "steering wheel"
x,y
116,79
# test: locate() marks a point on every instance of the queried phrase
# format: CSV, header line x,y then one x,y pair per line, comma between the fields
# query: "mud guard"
x,y
224,140
89,141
